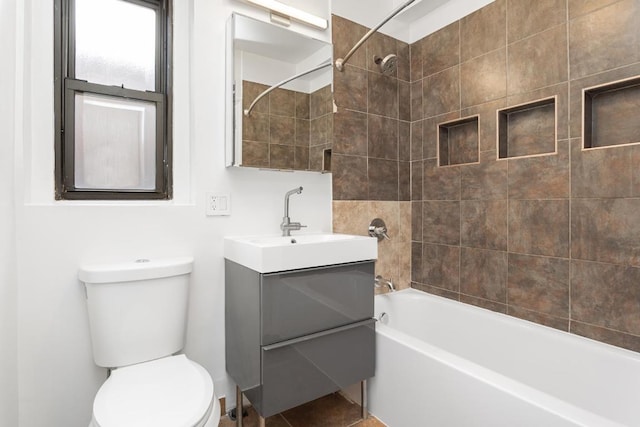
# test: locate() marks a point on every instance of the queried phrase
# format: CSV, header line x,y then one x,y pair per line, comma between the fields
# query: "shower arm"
x,y
340,62
284,82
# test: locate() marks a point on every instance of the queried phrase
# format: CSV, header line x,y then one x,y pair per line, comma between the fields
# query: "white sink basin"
x,y
266,254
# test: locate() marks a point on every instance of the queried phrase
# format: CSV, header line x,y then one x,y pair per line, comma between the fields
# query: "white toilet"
x,y
137,317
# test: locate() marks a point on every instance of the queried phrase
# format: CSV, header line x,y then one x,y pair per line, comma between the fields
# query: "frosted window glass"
x,y
115,44
114,143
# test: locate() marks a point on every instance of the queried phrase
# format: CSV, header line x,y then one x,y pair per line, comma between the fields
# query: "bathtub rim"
x,y
509,318
533,396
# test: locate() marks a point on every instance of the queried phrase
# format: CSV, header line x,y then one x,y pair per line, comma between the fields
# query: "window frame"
x,y
66,86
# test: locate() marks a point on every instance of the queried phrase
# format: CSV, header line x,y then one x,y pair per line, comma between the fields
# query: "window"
x,y
112,99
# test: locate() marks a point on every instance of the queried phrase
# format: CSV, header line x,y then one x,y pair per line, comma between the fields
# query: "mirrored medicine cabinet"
x,y
279,97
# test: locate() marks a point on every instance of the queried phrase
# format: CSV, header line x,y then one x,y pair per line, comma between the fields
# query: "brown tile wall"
x,y
372,135
553,239
286,129
372,146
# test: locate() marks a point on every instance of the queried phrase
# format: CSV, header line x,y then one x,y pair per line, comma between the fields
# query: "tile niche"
x,y
527,129
458,142
610,114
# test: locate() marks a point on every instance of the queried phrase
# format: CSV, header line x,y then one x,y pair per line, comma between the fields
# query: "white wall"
x,y
8,320
57,377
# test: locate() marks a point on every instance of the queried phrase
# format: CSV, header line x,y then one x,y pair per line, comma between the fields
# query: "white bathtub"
x,y
441,363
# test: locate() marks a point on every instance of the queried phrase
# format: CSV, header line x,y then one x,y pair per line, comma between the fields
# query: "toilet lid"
x,y
168,392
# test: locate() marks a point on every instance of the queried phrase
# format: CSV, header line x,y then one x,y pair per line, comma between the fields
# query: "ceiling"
x,y
419,19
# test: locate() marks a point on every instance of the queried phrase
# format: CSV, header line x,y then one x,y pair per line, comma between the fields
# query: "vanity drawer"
x,y
301,302
299,370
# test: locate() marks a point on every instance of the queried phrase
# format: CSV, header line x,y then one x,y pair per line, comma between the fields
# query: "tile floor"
x,y
328,411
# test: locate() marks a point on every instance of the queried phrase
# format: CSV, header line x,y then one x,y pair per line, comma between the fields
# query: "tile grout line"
x,y
285,420
569,144
506,60
459,286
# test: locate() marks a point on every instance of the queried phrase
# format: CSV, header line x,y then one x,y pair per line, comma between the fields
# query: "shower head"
x,y
340,62
387,64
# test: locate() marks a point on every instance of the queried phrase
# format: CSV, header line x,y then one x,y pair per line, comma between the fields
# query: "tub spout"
x,y
381,281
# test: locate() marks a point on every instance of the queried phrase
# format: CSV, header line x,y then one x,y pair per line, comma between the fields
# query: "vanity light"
x,y
291,12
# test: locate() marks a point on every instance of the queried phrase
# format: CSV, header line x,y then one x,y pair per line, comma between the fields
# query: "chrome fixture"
x,y
380,281
287,225
289,12
340,62
388,64
364,399
282,83
378,229
383,318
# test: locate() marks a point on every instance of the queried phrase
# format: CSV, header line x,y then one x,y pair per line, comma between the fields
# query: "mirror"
x,y
289,127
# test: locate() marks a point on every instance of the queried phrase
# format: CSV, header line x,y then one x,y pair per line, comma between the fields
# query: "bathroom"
x,y
48,376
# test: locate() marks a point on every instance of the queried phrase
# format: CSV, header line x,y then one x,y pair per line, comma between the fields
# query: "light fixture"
x,y
291,12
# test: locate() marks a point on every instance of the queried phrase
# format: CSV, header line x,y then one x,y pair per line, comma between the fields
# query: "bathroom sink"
x,y
266,254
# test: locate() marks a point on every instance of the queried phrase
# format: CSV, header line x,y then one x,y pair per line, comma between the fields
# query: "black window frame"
x,y
66,86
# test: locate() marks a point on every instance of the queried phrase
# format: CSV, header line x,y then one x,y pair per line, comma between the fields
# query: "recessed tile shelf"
x,y
610,114
458,142
527,129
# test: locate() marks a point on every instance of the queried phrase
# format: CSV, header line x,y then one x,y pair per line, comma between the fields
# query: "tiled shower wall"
x,y
371,141
371,146
554,239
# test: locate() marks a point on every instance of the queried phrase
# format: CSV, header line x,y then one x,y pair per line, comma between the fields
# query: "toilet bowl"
x,y
168,392
137,317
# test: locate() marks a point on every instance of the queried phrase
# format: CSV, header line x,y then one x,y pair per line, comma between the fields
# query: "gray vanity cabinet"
x,y
294,336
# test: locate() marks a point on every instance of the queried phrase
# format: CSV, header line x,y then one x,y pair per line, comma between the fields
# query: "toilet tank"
x,y
137,310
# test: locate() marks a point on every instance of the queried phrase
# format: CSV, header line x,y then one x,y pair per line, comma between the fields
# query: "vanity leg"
x,y
364,409
261,421
239,408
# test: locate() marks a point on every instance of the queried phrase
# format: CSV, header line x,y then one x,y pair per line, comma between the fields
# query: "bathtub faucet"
x,y
382,281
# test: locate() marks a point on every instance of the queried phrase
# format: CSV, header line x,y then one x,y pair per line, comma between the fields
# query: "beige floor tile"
x,y
369,422
328,411
252,420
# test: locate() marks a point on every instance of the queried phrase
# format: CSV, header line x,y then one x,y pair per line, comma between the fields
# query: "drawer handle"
x,y
317,335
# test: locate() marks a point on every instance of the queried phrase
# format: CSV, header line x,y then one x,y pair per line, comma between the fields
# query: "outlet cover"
x,y
218,204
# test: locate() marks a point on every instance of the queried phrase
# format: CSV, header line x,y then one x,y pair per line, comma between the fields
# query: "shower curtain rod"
x,y
284,82
340,62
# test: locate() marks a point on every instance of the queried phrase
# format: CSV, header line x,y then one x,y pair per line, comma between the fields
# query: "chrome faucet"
x,y
379,281
287,225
